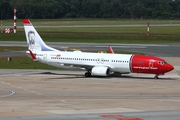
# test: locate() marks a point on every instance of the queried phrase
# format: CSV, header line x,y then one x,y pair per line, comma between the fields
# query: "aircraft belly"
x,y
121,68
65,66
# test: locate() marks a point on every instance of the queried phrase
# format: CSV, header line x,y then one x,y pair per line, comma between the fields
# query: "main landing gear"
x,y
156,77
87,74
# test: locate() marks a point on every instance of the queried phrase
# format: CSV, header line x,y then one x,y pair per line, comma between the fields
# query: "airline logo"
x,y
58,55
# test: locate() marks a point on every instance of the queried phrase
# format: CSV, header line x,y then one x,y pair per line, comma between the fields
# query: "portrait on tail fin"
x,y
31,38
35,42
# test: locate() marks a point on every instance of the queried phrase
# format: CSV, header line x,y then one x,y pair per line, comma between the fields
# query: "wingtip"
x,y
26,21
111,50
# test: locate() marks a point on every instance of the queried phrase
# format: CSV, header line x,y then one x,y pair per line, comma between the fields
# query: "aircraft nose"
x,y
170,67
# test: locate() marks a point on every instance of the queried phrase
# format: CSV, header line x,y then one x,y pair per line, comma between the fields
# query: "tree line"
x,y
51,9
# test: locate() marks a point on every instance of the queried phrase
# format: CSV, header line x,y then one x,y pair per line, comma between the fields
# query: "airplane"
x,y
96,64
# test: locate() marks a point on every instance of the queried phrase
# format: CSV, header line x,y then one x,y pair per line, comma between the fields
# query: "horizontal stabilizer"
x,y
32,55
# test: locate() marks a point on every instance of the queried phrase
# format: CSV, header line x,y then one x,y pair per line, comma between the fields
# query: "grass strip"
x,y
22,62
135,35
88,21
106,35
11,48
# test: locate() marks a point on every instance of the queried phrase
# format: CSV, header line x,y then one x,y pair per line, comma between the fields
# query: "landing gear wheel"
x,y
87,74
156,77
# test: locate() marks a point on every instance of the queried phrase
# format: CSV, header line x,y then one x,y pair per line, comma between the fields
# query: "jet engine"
x,y
100,71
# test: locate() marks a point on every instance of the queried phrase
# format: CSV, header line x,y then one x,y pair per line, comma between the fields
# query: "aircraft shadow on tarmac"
x,y
66,76
73,76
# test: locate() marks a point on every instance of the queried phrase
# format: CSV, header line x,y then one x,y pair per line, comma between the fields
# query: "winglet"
x,y
33,56
111,50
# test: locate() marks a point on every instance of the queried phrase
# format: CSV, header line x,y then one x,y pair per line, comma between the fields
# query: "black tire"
x,y
87,74
156,77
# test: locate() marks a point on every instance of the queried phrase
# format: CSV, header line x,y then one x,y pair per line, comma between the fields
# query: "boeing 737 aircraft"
x,y
96,64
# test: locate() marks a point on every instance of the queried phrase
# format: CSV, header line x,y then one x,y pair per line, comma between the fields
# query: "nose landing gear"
x,y
156,77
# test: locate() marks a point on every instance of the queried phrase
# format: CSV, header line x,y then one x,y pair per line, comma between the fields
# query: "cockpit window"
x,y
162,63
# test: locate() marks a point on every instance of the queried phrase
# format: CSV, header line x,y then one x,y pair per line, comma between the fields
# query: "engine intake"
x,y
100,71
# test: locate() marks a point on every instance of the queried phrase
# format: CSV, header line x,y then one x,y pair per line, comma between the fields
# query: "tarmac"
x,y
68,95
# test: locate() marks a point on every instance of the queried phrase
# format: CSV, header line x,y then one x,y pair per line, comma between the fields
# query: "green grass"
x,y
127,35
82,21
22,62
102,35
11,48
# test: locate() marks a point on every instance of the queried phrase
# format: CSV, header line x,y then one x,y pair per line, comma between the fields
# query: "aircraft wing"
x,y
87,67
111,50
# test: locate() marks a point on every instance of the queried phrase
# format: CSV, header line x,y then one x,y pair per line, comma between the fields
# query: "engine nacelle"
x,y
100,71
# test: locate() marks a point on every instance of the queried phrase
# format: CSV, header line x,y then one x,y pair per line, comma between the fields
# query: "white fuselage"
x,y
117,62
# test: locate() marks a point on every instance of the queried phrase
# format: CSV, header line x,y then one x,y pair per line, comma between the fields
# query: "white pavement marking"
x,y
11,93
21,88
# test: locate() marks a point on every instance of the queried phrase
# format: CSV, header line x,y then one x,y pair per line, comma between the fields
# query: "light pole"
x,y
14,19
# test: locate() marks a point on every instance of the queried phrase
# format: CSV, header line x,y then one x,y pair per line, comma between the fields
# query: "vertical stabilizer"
x,y
34,41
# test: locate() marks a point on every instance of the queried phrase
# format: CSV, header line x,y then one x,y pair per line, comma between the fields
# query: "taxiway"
x,y
161,50
67,95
